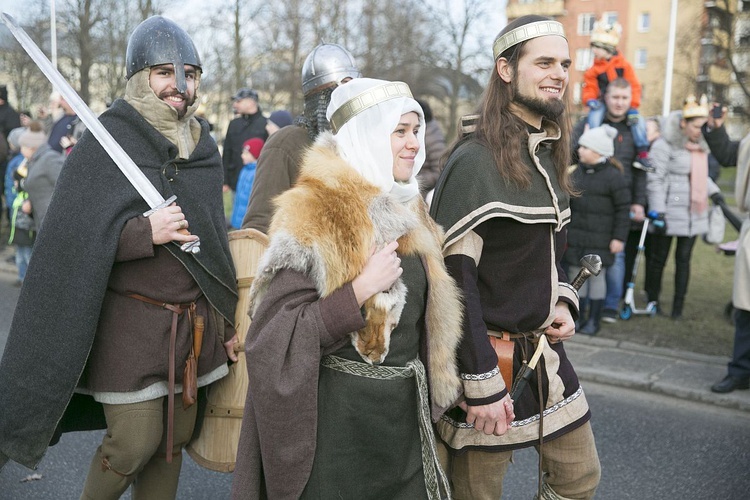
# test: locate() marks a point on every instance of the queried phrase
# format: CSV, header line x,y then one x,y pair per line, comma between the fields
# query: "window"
x,y
585,23
584,59
610,17
640,58
644,22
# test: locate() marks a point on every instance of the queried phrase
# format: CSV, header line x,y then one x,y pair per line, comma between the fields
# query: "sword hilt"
x,y
189,247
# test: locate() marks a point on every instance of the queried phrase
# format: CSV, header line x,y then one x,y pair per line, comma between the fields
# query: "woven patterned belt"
x,y
435,480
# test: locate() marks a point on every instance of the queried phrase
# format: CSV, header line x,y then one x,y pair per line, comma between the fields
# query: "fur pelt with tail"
x,y
326,226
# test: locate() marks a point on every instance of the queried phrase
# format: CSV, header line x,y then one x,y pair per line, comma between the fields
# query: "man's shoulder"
x,y
289,138
469,163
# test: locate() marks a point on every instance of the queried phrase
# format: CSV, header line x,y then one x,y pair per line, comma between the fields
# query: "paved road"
x,y
8,298
650,446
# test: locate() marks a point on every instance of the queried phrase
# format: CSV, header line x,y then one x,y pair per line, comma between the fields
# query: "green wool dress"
x,y
368,443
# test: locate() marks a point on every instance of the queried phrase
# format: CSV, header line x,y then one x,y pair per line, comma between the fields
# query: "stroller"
x,y
629,308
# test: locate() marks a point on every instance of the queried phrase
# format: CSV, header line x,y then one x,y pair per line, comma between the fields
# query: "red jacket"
x,y
603,71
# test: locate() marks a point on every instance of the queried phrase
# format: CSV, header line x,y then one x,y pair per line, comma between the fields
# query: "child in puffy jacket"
x,y
609,64
599,218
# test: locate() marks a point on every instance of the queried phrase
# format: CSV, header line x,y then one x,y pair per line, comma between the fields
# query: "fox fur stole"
x,y
325,228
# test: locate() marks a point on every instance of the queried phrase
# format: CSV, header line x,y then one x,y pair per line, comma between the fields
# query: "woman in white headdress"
x,y
351,352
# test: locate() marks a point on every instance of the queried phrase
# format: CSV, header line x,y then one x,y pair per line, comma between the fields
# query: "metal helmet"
x,y
157,40
327,63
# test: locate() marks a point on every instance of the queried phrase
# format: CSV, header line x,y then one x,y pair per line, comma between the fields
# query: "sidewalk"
x,y
7,267
680,374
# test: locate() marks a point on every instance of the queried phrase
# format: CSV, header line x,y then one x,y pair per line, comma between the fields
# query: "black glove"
x,y
658,223
718,199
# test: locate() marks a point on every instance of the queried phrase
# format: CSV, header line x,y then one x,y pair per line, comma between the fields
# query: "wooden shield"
x,y
216,446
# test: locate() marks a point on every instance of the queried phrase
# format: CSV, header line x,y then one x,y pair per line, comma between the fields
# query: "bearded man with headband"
x,y
112,311
503,200
326,67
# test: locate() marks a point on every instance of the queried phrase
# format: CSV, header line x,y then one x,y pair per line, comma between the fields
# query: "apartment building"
x,y
702,38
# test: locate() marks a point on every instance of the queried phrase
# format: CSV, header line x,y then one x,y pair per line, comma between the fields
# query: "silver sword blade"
x,y
127,166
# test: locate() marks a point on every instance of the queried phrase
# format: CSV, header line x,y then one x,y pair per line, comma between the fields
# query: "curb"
x,y
671,372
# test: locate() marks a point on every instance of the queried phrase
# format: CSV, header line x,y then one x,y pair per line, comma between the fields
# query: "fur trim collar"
x,y
325,227
673,132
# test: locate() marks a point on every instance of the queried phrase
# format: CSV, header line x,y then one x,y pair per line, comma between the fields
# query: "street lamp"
x,y
667,103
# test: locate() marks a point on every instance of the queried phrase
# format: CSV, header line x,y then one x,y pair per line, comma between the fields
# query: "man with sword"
x,y
503,199
113,314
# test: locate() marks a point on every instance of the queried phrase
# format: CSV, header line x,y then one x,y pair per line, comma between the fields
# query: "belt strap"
x,y
177,310
435,480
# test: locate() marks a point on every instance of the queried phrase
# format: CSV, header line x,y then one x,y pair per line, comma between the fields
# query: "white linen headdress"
x,y
363,114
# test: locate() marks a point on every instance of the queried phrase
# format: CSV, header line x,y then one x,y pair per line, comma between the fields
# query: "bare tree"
x,y
26,80
461,54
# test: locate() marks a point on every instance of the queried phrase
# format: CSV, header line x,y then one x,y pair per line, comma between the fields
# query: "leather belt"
x,y
177,310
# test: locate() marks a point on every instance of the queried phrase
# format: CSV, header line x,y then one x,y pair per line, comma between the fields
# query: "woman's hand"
x,y
380,272
26,207
494,418
169,224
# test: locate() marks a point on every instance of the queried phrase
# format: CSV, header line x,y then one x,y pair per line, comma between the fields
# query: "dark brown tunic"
x,y
130,350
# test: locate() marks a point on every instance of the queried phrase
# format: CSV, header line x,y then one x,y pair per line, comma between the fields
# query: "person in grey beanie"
x,y
599,218
43,165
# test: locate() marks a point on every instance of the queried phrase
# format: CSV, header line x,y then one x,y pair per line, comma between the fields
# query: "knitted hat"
x,y
600,140
31,138
13,136
253,145
281,118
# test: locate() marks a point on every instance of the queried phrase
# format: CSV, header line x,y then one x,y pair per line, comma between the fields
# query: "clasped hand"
x,y
169,224
494,418
381,271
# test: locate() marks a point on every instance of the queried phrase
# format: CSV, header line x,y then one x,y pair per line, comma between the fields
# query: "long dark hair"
x,y
501,131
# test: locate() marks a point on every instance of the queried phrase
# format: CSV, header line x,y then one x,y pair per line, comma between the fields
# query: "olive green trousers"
x,y
570,464
133,451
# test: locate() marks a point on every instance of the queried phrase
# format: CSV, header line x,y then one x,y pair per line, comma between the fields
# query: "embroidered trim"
x,y
522,423
480,376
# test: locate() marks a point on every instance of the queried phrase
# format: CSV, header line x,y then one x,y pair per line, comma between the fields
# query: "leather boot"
x,y
583,312
677,308
591,327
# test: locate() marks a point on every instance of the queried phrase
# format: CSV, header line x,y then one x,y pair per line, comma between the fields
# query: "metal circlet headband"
x,y
367,99
526,32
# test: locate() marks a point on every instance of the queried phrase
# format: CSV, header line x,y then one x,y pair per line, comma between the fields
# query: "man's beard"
x,y
188,101
550,109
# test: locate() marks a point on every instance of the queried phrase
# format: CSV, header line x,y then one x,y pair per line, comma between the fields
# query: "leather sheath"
x,y
503,345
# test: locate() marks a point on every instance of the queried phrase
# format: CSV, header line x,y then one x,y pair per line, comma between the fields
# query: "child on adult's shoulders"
x,y
608,65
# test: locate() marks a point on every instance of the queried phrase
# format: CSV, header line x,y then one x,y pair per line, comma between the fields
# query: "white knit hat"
x,y
32,139
600,140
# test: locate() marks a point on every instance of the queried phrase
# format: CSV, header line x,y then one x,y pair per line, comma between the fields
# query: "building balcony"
x,y
717,74
716,37
555,8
